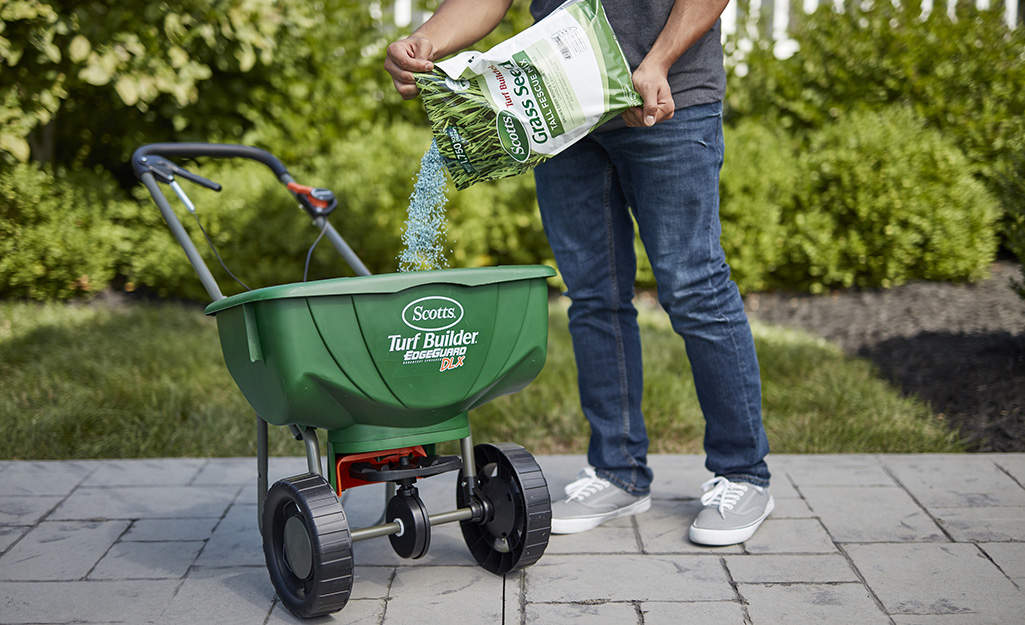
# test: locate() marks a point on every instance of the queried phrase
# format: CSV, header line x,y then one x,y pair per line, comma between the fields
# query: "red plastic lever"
x,y
307,192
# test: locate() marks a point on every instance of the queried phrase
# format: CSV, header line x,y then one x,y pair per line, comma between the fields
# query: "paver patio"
x,y
889,539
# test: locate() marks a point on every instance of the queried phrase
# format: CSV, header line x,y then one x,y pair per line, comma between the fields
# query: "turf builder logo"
x,y
433,317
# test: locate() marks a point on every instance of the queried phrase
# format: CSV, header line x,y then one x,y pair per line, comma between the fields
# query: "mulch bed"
x,y
959,347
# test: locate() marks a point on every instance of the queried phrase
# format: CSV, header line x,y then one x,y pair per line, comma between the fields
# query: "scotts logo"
x,y
513,136
432,313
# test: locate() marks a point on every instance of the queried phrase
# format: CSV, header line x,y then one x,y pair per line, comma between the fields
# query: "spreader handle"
x,y
215,150
142,163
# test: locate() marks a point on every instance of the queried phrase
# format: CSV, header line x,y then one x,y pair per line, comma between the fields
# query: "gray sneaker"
x,y
590,501
732,512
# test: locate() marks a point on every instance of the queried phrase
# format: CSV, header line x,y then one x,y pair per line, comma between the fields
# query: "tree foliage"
x,y
84,83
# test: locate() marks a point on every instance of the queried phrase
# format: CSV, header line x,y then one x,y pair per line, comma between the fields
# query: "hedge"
x,y
964,75
886,200
757,187
58,237
875,200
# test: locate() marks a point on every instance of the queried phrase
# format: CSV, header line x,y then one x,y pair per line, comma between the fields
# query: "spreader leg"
x,y
261,469
469,468
312,451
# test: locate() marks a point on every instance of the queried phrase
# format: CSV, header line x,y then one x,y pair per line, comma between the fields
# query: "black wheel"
x,y
516,532
307,545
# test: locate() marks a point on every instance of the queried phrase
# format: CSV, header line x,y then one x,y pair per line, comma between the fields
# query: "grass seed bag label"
x,y
502,112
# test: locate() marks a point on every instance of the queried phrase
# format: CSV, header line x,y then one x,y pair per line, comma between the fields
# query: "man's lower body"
x,y
668,176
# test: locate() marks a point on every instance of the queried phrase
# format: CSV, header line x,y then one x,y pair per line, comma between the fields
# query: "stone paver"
x,y
118,601
26,510
575,579
465,594
812,604
983,524
817,470
616,536
140,502
225,596
135,560
938,579
773,569
1010,557
596,614
11,534
959,481
32,480
1013,465
699,612
791,536
60,550
871,514
888,539
236,541
158,472
791,508
162,530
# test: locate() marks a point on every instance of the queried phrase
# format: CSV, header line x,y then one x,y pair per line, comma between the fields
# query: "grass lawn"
x,y
147,380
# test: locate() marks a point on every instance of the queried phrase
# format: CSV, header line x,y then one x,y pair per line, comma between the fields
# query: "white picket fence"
x,y
772,18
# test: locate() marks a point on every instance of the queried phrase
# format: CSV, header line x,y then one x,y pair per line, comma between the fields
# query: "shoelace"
x,y
722,493
586,486
582,475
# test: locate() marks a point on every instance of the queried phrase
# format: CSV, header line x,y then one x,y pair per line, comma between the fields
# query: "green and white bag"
x,y
502,112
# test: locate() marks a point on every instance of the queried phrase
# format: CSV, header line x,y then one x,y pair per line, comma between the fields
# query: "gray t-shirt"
x,y
697,77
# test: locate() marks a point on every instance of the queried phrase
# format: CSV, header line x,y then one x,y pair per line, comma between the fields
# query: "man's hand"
x,y
405,57
653,86
688,21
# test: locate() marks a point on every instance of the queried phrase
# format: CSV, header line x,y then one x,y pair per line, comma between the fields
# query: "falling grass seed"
x,y
426,227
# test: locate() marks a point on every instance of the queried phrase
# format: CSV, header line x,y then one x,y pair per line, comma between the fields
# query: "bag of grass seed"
x,y
500,113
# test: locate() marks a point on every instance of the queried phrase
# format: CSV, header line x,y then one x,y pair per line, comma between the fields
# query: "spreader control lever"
x,y
316,201
165,171
407,468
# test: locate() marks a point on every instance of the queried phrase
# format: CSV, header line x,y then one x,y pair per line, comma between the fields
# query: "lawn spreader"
x,y
389,366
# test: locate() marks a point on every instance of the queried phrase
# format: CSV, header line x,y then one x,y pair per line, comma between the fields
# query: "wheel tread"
x,y
517,464
330,540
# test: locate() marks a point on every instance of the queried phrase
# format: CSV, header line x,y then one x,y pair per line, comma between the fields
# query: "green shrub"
x,y
57,239
759,177
1012,179
964,76
886,200
497,223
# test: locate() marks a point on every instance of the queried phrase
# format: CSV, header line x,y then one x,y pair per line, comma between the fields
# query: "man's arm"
x,y
456,24
688,22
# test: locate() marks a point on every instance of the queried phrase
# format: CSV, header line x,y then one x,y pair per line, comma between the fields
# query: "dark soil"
x,y
959,347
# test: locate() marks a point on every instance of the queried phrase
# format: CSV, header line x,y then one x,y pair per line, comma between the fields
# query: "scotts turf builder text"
x,y
424,238
502,112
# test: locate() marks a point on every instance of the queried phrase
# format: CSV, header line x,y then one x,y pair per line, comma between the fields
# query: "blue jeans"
x,y
668,176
